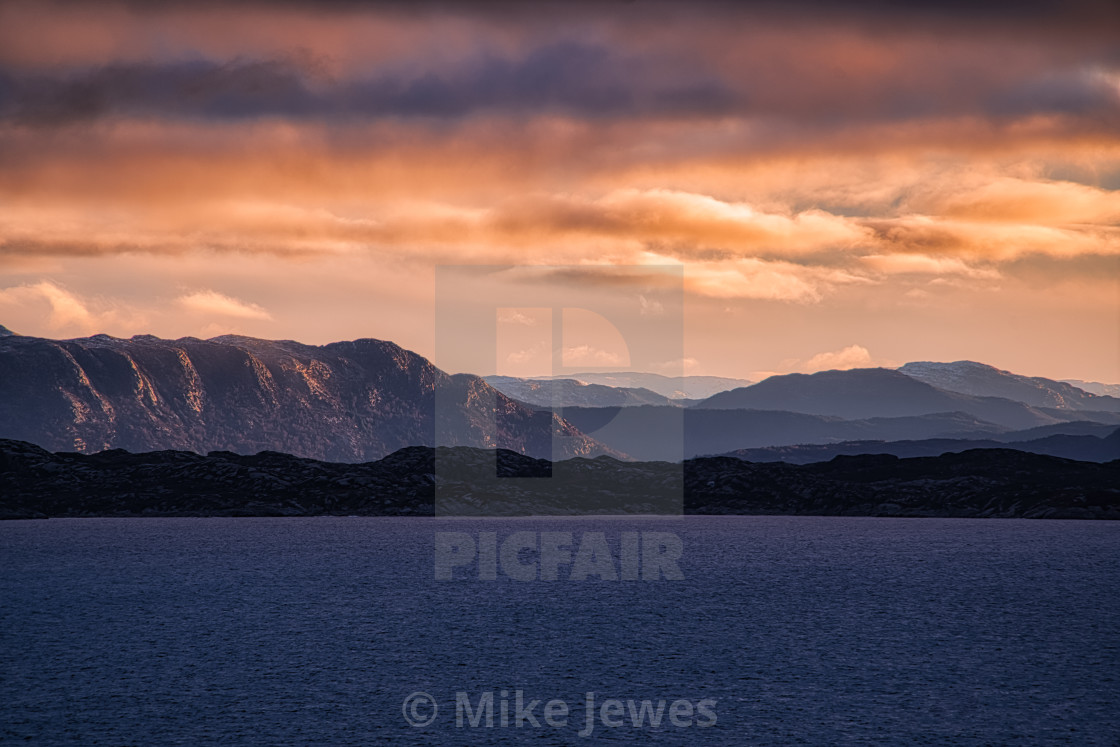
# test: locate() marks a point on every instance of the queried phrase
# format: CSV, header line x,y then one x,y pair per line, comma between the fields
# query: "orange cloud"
x,y
212,302
67,313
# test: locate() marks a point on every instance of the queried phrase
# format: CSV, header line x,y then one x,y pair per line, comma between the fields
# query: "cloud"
x,y
853,356
200,89
66,312
822,71
533,354
650,307
587,355
826,158
679,224
212,302
767,280
560,77
515,316
66,309
905,264
986,240
1000,198
678,367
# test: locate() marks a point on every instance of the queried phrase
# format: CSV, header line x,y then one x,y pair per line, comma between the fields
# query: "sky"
x,y
839,185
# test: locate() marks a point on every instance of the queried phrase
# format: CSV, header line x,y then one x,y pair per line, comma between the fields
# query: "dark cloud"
x,y
1079,19
567,77
201,89
1006,10
1082,92
807,73
570,78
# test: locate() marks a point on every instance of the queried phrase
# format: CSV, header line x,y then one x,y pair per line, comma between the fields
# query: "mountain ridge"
x,y
349,400
871,392
981,380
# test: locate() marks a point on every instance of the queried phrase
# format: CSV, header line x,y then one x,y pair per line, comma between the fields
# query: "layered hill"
x,y
346,401
670,433
875,392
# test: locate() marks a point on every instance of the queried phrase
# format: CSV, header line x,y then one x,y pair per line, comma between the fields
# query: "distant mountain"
x,y
1081,448
646,433
873,392
980,380
673,387
346,401
1095,387
35,483
1096,416
5,332
573,393
1072,428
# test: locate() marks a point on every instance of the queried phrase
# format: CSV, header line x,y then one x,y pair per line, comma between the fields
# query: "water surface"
x,y
805,630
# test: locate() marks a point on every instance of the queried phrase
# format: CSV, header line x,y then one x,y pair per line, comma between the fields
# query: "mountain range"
x,y
361,400
881,392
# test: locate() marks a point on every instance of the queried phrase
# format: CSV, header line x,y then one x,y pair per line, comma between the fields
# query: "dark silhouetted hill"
x,y
35,483
1081,448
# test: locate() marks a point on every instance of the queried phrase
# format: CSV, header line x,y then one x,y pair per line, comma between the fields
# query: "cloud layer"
x,y
797,154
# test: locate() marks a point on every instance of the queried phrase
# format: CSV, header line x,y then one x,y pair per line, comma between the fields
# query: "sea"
x,y
745,631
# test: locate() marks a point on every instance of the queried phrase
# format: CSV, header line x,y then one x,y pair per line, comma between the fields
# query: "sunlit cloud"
x,y
900,264
589,355
768,280
853,356
65,311
515,316
212,302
